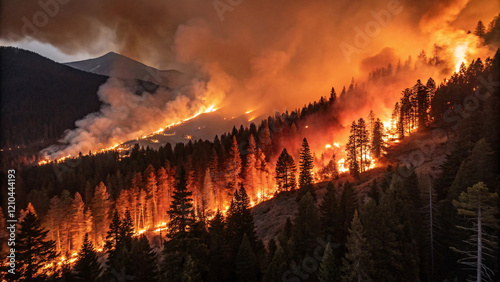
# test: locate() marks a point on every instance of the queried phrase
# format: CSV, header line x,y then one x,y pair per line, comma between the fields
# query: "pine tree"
x,y
358,258
330,213
33,250
152,195
377,145
422,98
306,165
250,169
348,205
277,266
328,269
87,267
351,150
240,222
217,271
305,227
333,96
113,238
181,210
100,208
246,267
165,188
362,145
141,251
480,29
481,207
400,251
371,120
265,141
285,172
233,168
78,222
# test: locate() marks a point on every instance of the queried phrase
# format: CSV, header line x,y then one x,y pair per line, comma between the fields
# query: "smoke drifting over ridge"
x,y
264,55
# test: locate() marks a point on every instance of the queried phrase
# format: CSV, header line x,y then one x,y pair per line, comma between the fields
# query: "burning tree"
x,y
358,148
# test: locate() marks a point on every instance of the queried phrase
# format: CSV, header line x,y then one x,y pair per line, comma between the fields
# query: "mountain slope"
x,y
119,66
41,98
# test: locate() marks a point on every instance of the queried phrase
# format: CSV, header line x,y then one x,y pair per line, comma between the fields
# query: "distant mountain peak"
x,y
116,65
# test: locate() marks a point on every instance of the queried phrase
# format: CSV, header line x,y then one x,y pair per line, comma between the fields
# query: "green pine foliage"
x,y
87,266
306,165
328,269
33,250
305,228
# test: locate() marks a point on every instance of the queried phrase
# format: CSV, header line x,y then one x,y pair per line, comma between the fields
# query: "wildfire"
x,y
342,166
460,55
328,146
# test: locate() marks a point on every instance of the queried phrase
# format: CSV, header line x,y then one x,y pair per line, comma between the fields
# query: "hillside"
x,y
116,65
41,98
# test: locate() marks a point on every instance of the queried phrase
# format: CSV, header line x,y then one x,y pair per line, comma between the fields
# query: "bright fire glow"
x,y
328,146
342,166
460,55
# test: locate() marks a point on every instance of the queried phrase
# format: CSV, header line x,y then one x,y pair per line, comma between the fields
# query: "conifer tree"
x,y
87,267
371,121
114,234
217,271
328,269
305,227
33,250
481,207
333,96
362,145
265,141
246,267
306,165
152,195
141,251
330,213
181,209
358,258
480,29
377,145
285,172
165,188
422,98
348,205
351,150
78,222
240,222
233,168
250,169
100,208
277,266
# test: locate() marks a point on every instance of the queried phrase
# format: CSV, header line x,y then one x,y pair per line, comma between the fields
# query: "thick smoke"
x,y
126,116
264,55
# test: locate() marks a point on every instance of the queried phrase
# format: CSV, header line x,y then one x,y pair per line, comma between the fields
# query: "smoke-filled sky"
x,y
270,55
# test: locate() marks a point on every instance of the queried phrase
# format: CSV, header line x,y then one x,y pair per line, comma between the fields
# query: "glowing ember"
x,y
328,146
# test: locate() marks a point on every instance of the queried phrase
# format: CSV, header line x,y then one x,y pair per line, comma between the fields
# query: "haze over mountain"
x,y
119,66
